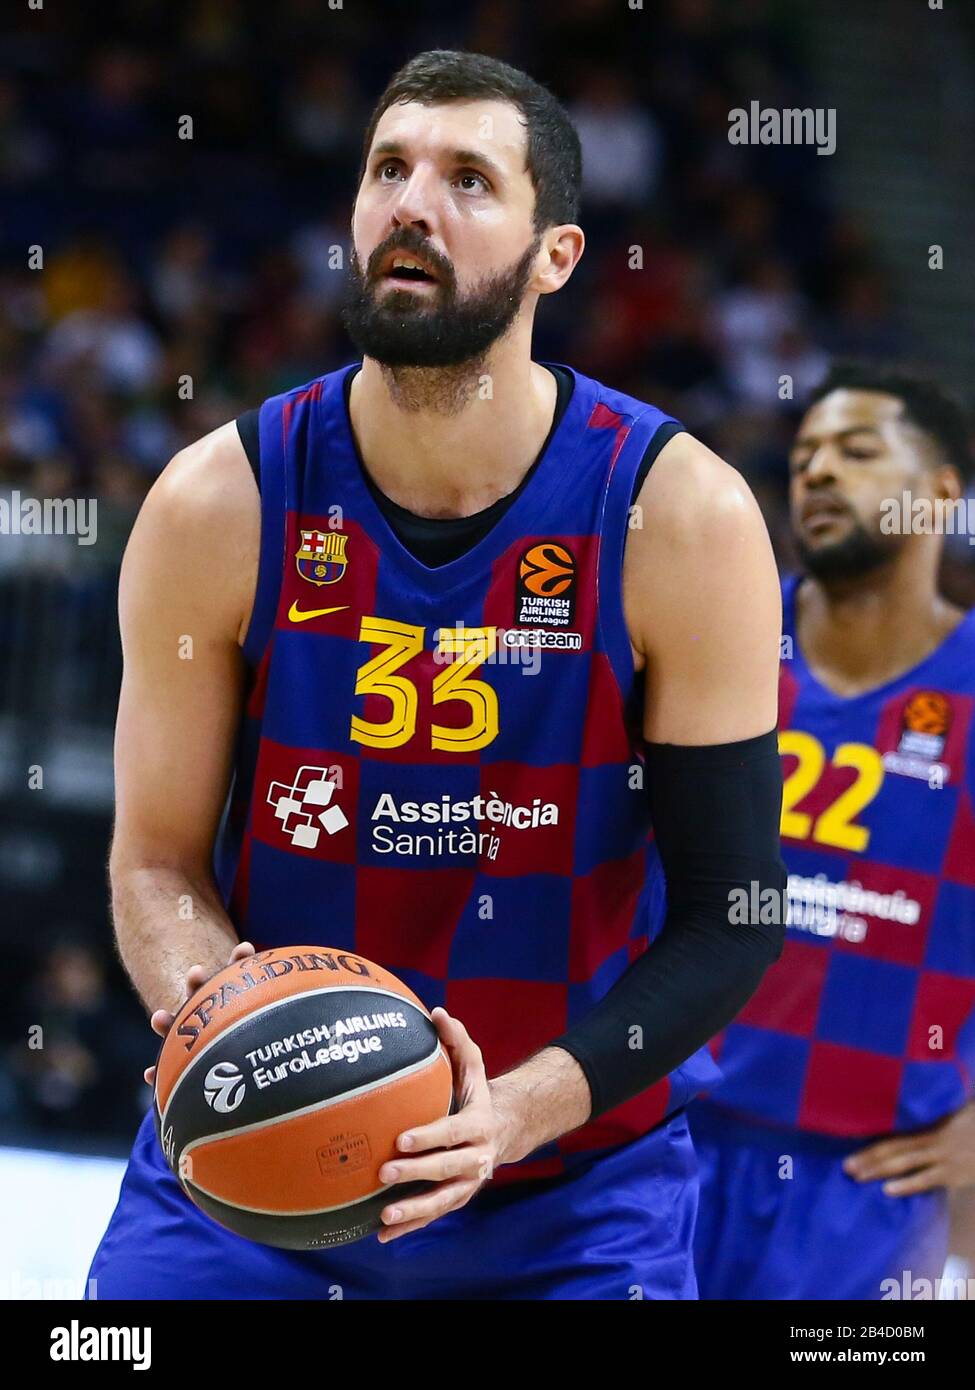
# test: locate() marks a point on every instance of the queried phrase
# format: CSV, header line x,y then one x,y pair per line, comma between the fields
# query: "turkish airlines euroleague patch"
x,y
546,591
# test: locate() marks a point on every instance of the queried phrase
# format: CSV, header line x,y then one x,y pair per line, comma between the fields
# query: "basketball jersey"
x,y
866,1025
440,769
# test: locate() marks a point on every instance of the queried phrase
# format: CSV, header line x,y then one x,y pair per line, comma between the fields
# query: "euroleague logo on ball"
x,y
546,585
224,1087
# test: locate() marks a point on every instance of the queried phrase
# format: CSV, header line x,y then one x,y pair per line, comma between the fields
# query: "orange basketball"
x,y
282,1085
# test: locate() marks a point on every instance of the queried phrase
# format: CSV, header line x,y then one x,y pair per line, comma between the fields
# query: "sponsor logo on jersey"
x,y
301,615
446,810
515,638
305,808
845,909
446,825
464,826
321,557
925,723
545,595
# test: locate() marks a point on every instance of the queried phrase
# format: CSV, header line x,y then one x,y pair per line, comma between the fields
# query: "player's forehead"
x,y
490,128
847,409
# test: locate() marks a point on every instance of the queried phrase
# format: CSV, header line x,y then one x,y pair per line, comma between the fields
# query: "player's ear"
x,y
946,482
564,246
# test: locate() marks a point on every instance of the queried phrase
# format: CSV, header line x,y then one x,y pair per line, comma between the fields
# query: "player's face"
x,y
446,187
853,450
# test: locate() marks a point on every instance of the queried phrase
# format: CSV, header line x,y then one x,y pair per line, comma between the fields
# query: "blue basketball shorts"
x,y
772,1229
618,1226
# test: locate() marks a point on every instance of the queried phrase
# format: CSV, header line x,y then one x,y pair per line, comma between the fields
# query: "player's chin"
x,y
824,532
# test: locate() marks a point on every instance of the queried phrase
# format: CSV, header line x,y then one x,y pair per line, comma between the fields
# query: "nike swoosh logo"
x,y
301,615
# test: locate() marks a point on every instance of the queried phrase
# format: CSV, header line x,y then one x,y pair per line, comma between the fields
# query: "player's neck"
x,y
449,443
861,633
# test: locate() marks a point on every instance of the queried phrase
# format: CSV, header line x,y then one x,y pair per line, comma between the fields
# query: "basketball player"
x,y
335,587
845,1111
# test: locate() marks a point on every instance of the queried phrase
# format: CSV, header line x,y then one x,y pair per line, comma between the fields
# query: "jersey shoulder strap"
x,y
663,435
641,432
248,427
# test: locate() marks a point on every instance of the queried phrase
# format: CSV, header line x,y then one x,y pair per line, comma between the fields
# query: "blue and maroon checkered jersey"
x,y
436,768
867,1023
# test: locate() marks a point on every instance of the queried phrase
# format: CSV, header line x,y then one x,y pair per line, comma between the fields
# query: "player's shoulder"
x,y
205,503
210,477
687,485
693,496
697,551
196,539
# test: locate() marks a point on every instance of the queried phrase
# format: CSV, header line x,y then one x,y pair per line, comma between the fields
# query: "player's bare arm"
x,y
702,601
704,615
186,591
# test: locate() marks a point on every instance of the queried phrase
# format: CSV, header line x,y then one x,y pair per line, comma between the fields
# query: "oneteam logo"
x,y
224,1087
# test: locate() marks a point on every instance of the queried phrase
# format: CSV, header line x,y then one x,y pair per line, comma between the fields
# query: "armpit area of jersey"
x,y
715,812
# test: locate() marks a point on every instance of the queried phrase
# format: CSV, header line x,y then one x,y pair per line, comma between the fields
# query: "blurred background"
x,y
209,258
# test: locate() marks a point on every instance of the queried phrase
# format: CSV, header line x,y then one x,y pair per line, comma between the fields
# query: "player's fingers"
x,y
161,1022
441,1166
878,1153
196,976
890,1161
444,1198
388,1233
468,1126
465,1056
924,1181
150,1075
453,1034
907,1162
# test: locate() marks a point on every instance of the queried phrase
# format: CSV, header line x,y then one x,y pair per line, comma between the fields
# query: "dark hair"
x,y
926,404
553,156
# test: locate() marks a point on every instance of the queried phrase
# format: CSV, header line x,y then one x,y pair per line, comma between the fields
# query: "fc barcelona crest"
x,y
321,557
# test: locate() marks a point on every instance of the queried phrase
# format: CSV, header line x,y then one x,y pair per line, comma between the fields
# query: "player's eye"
x,y
468,174
385,167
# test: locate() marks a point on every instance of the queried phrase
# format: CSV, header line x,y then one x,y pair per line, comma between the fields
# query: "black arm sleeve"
x,y
715,812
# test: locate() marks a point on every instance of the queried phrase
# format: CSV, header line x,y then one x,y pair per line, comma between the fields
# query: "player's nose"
x,y
415,205
821,468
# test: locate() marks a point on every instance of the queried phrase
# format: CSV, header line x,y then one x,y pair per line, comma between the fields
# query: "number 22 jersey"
x,y
866,1025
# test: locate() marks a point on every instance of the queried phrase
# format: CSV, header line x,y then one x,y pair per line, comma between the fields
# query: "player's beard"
x,y
399,329
857,554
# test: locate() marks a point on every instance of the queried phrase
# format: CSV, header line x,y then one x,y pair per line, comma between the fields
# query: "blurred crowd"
x,y
185,279
176,175
74,1045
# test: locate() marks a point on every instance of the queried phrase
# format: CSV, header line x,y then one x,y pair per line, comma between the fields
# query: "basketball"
x,y
282,1086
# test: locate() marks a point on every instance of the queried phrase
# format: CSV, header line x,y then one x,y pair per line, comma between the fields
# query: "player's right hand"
x,y
162,1020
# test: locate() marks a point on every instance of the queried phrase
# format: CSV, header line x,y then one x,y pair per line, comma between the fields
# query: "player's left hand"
x,y
458,1153
943,1156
